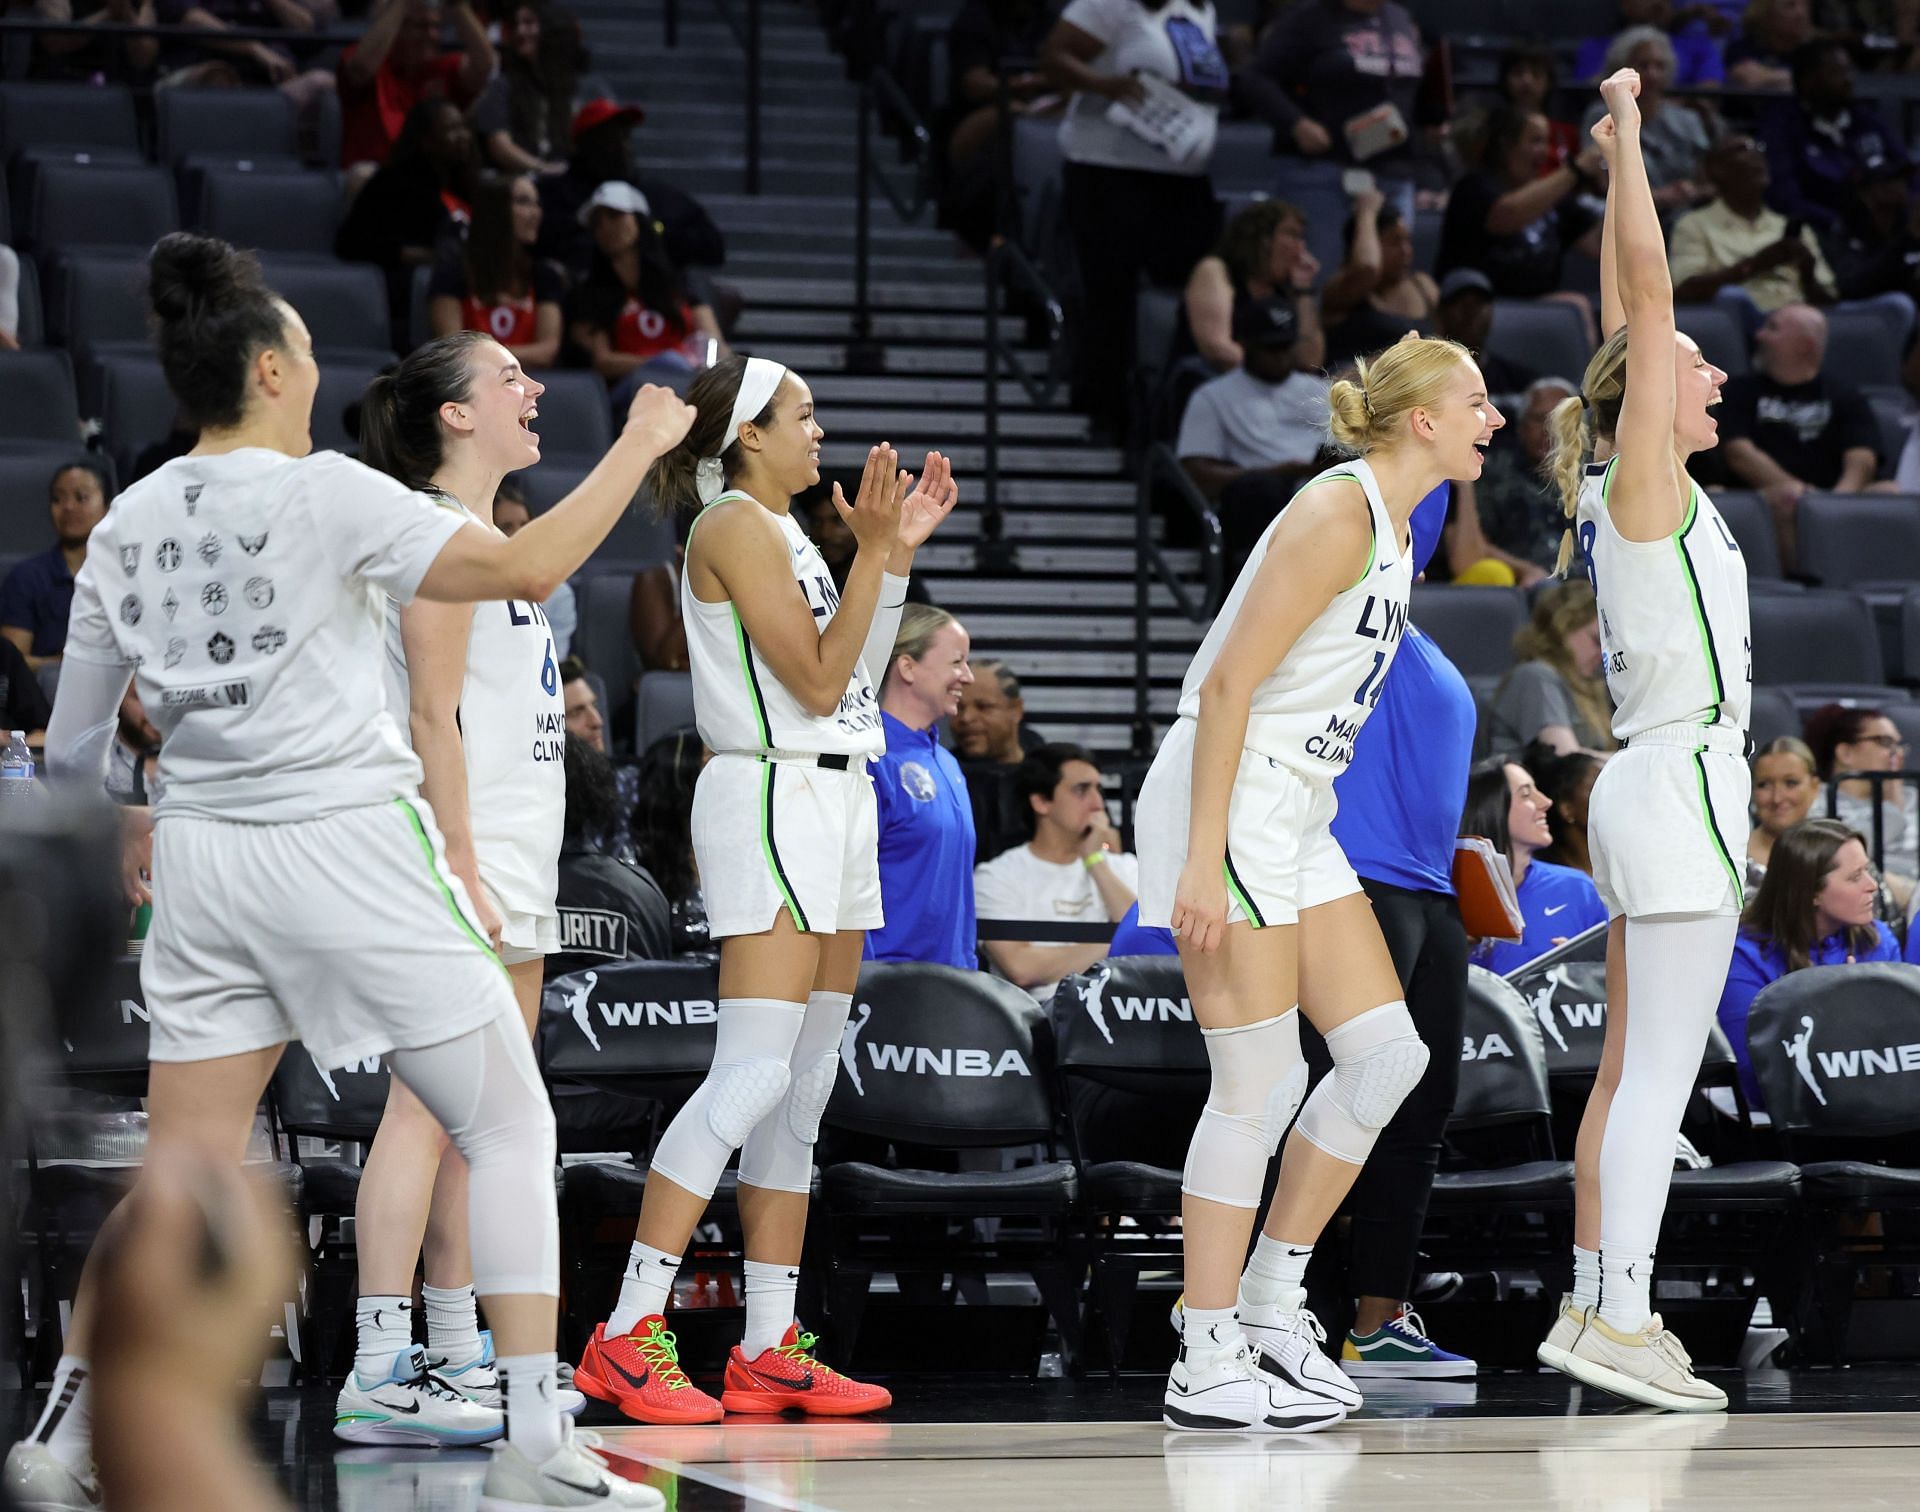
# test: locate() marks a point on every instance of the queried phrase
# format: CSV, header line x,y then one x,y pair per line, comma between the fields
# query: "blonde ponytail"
x,y
1365,411
1603,389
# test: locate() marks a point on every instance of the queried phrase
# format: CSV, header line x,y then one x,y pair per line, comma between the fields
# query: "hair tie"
x,y
757,385
1367,400
710,478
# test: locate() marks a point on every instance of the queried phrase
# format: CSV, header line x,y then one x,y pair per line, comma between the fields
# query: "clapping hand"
x,y
929,503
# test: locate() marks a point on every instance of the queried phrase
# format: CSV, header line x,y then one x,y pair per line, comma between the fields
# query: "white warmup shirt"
x,y
1017,884
1175,43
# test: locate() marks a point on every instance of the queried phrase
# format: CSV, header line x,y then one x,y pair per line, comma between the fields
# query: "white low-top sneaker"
x,y
37,1482
1560,1339
478,1380
1651,1366
574,1476
1233,1393
411,1405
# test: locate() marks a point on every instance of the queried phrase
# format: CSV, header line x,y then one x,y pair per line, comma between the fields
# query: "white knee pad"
x,y
778,1155
1259,1078
1378,1058
748,1080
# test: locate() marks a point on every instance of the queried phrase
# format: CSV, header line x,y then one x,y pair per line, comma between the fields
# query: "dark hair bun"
x,y
187,273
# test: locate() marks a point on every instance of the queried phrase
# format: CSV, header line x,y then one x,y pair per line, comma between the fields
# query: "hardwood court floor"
x,y
1794,1442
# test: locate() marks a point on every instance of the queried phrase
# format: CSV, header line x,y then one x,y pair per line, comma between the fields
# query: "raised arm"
x,y
1613,314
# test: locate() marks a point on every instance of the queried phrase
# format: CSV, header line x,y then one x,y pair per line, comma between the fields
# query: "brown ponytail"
x,y
400,430
671,486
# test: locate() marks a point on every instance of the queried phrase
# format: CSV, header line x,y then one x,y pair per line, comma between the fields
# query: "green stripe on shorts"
x,y
433,867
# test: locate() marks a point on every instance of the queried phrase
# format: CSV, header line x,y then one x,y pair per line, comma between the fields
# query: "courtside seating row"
x,y
935,1062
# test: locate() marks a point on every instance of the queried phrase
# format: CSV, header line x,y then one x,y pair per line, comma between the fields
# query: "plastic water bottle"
x,y
16,769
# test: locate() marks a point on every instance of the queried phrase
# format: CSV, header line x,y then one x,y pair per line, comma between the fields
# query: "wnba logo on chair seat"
x,y
1885,1060
1092,990
919,1060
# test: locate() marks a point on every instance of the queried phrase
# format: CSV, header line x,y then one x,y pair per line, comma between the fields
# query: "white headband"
x,y
757,386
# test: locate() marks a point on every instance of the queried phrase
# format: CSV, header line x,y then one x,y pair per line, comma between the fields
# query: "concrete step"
x,y
1007,629
1044,557
1113,702
1031,594
955,289
832,325
1098,461
832,231
830,357
909,267
1046,527
955,424
913,389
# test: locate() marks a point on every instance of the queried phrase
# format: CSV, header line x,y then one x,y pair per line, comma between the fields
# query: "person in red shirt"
x,y
497,285
396,65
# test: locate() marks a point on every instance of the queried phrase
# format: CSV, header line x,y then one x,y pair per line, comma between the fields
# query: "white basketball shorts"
x,y
1667,823
773,836
347,933
1281,855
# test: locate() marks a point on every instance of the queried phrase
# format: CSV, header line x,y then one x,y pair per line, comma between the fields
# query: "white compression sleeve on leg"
x,y
1259,1077
486,1092
778,1154
1378,1058
749,1078
1676,968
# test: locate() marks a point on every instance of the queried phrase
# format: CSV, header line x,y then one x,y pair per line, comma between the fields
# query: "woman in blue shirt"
x,y
1814,908
1557,902
926,818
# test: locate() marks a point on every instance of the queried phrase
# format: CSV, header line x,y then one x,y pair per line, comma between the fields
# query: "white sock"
x,y
1208,1333
1586,1278
1275,1269
384,1326
453,1323
1626,1288
644,1292
770,1292
533,1408
66,1422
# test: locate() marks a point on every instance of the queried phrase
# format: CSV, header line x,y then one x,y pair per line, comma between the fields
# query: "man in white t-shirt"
x,y
1072,870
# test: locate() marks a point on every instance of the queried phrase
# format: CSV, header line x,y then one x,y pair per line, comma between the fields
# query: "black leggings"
x,y
1388,1203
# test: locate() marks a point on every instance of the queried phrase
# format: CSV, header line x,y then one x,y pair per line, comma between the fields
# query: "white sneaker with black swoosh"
x,y
411,1405
478,1379
1288,1337
1231,1393
575,1476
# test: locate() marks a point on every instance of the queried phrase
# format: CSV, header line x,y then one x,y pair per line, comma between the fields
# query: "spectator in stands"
x,y
1515,226
1823,143
1261,254
582,704
1879,252
1528,77
653,609
983,35
1510,514
1136,201
1692,34
1249,437
71,55
990,738
833,538
1568,782
133,764
634,315
1814,908
510,515
236,65
1465,315
395,65
1071,870
662,828
1674,136
1341,79
495,283
416,204
1737,250
524,118
38,593
23,702
1557,902
1377,295
610,910
1555,693
1787,428
925,814
603,153
1771,32
1786,785
1847,739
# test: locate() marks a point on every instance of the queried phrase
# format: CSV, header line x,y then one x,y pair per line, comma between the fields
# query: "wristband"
x,y
1098,858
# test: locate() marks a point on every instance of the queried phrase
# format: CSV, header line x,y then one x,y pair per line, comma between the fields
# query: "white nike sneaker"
x,y
1565,1332
1232,1393
37,1482
411,1405
1650,1366
574,1477
478,1380
1288,1337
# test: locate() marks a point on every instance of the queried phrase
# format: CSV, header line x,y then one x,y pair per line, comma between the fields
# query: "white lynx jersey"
x,y
1674,629
247,592
738,702
1308,710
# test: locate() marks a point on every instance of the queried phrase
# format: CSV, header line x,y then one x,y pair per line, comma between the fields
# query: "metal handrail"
x,y
747,34
1877,837
881,89
1159,464
1007,265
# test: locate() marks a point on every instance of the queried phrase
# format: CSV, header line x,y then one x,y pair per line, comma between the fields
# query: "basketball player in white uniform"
x,y
476,688
786,837
300,885
1668,810
1237,857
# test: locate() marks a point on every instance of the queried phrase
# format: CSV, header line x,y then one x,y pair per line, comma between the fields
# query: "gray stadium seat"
x,y
1751,522
33,323
102,302
574,418
1474,625
341,385
37,401
137,408
90,206
1156,320
192,171
1774,715
1860,540
663,702
1243,158
419,323
225,123
67,115
343,304
1896,416
285,213
1861,349
1718,333
604,640
550,481
24,475
1037,164
1539,335
638,540
1822,636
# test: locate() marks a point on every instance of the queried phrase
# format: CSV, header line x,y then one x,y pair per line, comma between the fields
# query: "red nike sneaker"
x,y
789,1378
640,1374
